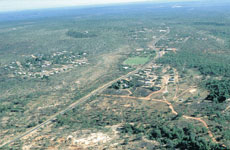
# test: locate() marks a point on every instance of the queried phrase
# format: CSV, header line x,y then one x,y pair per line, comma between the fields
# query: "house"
x,y
163,30
141,81
149,70
171,79
139,49
125,86
148,83
170,49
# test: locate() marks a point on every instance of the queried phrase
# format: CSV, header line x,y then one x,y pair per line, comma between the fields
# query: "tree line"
x,y
208,65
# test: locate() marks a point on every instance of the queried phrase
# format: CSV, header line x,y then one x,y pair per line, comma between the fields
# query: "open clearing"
x,y
136,60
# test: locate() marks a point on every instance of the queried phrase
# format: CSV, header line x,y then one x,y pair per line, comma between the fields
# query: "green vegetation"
x,y
47,63
136,60
122,84
207,64
57,60
173,137
76,34
219,90
139,120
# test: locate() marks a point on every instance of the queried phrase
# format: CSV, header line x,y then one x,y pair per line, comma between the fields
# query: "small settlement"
x,y
45,65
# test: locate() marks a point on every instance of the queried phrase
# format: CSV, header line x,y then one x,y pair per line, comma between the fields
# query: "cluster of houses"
x,y
148,76
166,49
140,34
172,77
39,66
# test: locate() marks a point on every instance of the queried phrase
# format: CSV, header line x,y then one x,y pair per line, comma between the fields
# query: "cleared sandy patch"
x,y
192,90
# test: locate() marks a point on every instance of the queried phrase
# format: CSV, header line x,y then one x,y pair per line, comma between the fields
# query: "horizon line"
x,y
95,5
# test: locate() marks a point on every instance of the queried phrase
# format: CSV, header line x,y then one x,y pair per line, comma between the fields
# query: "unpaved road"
x,y
170,107
85,98
78,102
164,100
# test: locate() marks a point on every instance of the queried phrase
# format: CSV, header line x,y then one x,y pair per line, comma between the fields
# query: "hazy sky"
x,y
12,5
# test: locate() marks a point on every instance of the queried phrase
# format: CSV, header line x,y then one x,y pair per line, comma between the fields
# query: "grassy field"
x,y
136,61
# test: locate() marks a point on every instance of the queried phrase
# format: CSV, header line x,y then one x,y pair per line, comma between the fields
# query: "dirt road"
x,y
78,102
85,98
172,110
